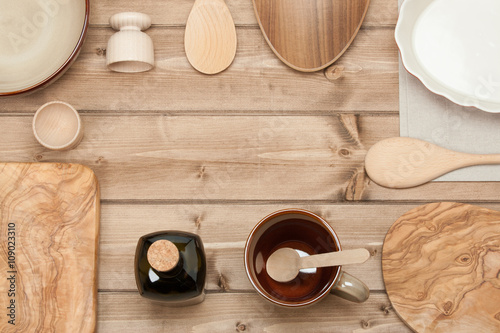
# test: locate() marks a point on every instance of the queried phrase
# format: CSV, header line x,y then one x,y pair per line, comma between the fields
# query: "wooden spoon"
x,y
407,162
210,38
284,264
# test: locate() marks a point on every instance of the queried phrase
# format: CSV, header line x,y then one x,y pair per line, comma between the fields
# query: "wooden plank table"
x,y
176,149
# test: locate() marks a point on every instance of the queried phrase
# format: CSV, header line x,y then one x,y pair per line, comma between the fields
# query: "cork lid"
x,y
163,255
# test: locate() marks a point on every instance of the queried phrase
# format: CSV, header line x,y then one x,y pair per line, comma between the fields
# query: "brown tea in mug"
x,y
306,237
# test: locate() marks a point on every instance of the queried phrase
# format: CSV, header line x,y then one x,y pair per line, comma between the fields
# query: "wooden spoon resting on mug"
x,y
406,162
210,38
284,264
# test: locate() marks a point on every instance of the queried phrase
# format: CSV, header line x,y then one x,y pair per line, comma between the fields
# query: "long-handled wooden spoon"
x,y
406,162
210,38
284,264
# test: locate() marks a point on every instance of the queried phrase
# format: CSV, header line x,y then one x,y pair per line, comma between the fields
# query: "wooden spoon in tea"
x,y
285,263
210,38
406,162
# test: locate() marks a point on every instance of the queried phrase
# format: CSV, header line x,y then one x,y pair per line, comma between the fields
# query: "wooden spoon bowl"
x,y
210,39
285,263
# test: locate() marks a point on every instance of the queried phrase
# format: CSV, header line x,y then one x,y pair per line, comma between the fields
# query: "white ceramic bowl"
x,y
38,41
453,47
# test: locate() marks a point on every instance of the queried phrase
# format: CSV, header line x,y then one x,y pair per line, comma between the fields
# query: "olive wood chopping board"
x,y
309,35
49,226
441,267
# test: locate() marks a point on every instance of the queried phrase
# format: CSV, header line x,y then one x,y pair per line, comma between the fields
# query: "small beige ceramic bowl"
x,y
57,126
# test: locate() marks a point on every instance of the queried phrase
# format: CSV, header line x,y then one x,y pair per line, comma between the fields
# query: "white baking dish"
x,y
453,47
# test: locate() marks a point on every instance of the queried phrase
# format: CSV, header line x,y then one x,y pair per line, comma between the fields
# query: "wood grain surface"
x,y
247,312
49,236
382,13
441,266
257,82
309,35
175,149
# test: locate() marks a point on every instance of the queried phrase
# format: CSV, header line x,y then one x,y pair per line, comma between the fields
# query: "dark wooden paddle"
x,y
309,35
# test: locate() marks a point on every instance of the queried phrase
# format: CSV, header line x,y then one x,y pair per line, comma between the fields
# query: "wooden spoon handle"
x,y
346,257
477,159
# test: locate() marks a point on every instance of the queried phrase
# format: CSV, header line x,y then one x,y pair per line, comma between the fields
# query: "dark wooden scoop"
x,y
309,35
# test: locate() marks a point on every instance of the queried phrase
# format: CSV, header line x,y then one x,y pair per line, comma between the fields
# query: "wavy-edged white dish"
x,y
453,47
38,41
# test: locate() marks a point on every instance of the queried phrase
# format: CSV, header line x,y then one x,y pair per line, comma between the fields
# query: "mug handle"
x,y
350,288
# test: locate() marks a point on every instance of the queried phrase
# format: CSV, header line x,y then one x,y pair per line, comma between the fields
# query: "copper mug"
x,y
308,234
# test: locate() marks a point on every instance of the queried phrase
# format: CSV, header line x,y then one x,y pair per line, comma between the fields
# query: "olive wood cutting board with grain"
x,y
441,267
309,35
49,227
